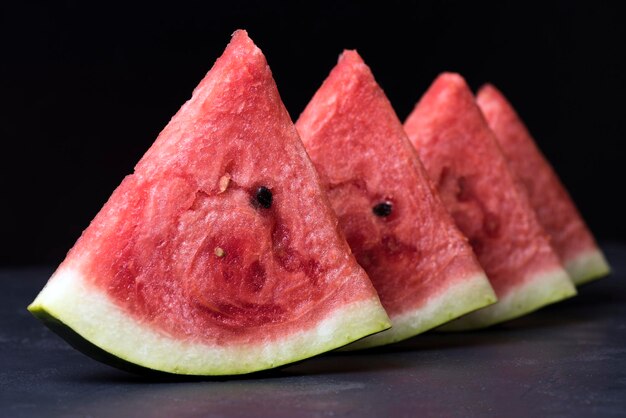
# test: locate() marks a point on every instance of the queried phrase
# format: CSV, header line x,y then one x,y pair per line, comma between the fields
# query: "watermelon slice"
x,y
570,237
421,265
462,157
220,254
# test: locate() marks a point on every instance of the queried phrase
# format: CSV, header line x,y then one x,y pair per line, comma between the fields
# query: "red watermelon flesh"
x,y
569,235
421,265
462,157
220,254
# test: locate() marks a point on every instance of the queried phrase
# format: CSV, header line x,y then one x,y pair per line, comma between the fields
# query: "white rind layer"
x,y
587,266
463,297
92,315
539,290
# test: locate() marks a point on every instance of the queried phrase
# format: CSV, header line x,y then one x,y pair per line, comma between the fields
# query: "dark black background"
x,y
85,88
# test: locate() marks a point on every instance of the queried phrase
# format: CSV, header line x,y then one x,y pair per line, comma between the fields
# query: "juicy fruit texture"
x,y
462,157
570,237
202,262
420,264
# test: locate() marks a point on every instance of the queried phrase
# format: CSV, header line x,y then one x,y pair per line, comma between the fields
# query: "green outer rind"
x,y
93,324
465,296
587,267
540,290
84,346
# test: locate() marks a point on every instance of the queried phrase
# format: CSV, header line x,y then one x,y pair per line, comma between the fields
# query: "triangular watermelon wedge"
x,y
569,235
421,265
220,254
462,157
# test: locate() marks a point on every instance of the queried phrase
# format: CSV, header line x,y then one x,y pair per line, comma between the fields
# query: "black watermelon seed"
x,y
382,209
264,197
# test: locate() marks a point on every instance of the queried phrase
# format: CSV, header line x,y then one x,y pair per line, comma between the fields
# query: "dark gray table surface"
x,y
565,360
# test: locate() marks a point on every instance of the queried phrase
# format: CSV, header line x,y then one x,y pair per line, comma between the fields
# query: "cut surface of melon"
x,y
469,295
588,266
540,290
94,317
